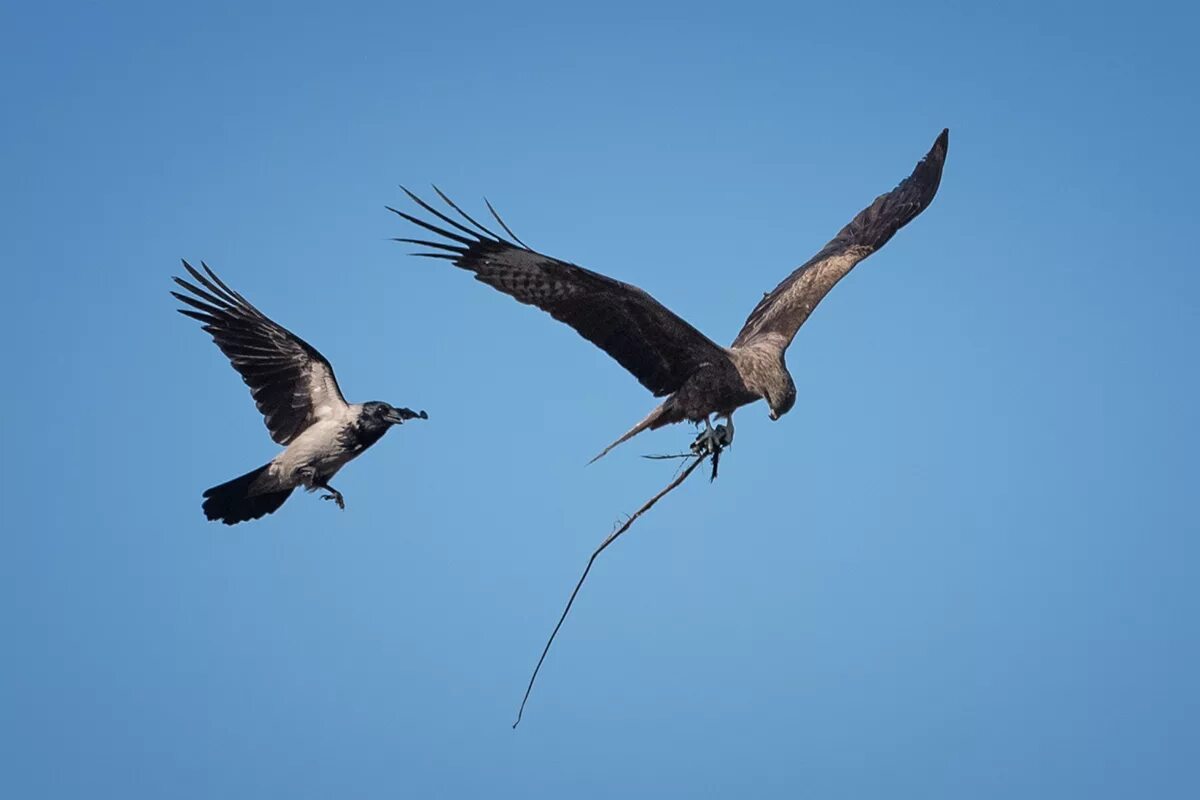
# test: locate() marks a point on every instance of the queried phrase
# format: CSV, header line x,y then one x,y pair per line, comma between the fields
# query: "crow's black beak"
x,y
398,415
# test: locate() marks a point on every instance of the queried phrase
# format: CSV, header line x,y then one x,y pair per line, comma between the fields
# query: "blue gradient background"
x,y
963,566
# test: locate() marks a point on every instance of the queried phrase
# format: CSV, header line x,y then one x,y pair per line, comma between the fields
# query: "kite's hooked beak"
x,y
398,415
773,416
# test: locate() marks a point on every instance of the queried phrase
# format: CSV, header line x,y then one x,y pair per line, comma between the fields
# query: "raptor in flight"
x,y
672,359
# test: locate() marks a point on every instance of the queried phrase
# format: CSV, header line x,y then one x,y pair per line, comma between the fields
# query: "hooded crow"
x,y
294,388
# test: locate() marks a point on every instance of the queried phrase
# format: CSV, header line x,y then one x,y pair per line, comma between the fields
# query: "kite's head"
x,y
781,395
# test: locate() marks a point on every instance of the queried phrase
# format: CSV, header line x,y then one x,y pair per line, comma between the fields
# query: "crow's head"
x,y
389,414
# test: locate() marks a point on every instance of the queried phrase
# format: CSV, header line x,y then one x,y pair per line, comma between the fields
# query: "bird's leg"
x,y
725,432
701,442
333,495
709,441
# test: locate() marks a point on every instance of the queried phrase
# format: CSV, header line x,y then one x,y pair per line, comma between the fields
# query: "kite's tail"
x,y
655,419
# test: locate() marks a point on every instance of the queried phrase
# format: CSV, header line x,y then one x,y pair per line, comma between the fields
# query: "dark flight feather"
x,y
781,312
658,347
293,385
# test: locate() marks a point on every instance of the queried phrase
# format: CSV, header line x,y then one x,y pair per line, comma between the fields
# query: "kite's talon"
x,y
336,497
711,441
724,435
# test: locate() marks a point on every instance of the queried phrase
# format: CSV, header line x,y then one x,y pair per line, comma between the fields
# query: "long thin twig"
x,y
611,538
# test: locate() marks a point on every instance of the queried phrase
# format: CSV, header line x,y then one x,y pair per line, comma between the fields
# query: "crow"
x,y
294,387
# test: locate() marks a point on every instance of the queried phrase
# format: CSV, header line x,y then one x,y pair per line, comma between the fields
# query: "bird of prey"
x,y
294,388
698,377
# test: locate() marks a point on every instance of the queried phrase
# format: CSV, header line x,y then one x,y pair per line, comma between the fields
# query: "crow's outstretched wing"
x,y
777,317
293,385
657,346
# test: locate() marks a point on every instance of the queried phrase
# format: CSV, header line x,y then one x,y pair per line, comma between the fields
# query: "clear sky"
x,y
963,566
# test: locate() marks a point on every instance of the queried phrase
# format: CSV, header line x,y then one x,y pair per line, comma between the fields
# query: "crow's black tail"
x,y
238,500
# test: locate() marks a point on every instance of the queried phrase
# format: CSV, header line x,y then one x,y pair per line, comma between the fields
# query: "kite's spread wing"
x,y
657,346
780,314
293,385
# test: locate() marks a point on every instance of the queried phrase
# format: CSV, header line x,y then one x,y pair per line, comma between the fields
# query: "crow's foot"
x,y
335,496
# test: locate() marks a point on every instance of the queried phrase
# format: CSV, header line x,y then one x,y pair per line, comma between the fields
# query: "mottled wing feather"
x,y
780,314
659,348
293,385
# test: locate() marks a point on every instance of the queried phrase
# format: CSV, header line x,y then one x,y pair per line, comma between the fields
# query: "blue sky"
x,y
963,565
